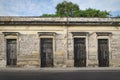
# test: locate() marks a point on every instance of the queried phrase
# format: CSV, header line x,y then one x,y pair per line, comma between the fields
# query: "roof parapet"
x,y
57,21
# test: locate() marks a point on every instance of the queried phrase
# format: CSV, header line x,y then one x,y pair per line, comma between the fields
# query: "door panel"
x,y
11,52
46,52
103,52
79,52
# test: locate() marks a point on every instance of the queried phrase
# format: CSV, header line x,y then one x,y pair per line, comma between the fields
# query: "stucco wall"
x,y
115,49
2,51
60,50
28,50
28,44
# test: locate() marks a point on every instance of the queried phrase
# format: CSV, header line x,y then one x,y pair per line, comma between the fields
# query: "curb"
x,y
58,69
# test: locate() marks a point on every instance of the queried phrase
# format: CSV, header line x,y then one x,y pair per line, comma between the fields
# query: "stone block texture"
x,y
92,50
2,51
60,50
28,49
115,50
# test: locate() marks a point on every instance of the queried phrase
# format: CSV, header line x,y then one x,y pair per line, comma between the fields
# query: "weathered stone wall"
x,y
28,44
70,47
28,50
92,60
91,50
2,51
60,50
115,50
64,50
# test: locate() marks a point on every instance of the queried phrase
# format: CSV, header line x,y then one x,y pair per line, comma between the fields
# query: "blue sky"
x,y
39,7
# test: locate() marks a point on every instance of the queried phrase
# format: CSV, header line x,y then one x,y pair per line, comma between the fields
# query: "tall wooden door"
x,y
79,52
46,52
11,52
103,52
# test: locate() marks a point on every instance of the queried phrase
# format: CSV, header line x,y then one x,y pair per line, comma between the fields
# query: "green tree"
x,y
66,9
95,13
49,15
69,9
91,13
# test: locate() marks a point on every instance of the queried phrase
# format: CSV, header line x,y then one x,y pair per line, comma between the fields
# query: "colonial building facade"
x,y
59,42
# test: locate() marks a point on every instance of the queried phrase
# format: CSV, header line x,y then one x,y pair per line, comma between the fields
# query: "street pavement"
x,y
60,74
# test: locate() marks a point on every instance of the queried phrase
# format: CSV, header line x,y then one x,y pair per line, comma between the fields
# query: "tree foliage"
x,y
92,13
69,9
49,15
66,9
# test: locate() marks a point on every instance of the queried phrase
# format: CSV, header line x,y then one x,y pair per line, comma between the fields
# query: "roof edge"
x,y
35,20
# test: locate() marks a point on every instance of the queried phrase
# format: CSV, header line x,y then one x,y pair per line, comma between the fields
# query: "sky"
x,y
39,7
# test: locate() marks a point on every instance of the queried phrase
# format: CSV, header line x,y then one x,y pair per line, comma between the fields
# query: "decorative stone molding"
x,y
46,33
59,21
79,33
10,33
104,33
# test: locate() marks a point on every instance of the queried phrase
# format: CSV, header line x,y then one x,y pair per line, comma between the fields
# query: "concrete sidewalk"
x,y
61,69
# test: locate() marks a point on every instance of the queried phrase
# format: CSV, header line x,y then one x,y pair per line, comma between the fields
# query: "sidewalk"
x,y
60,69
